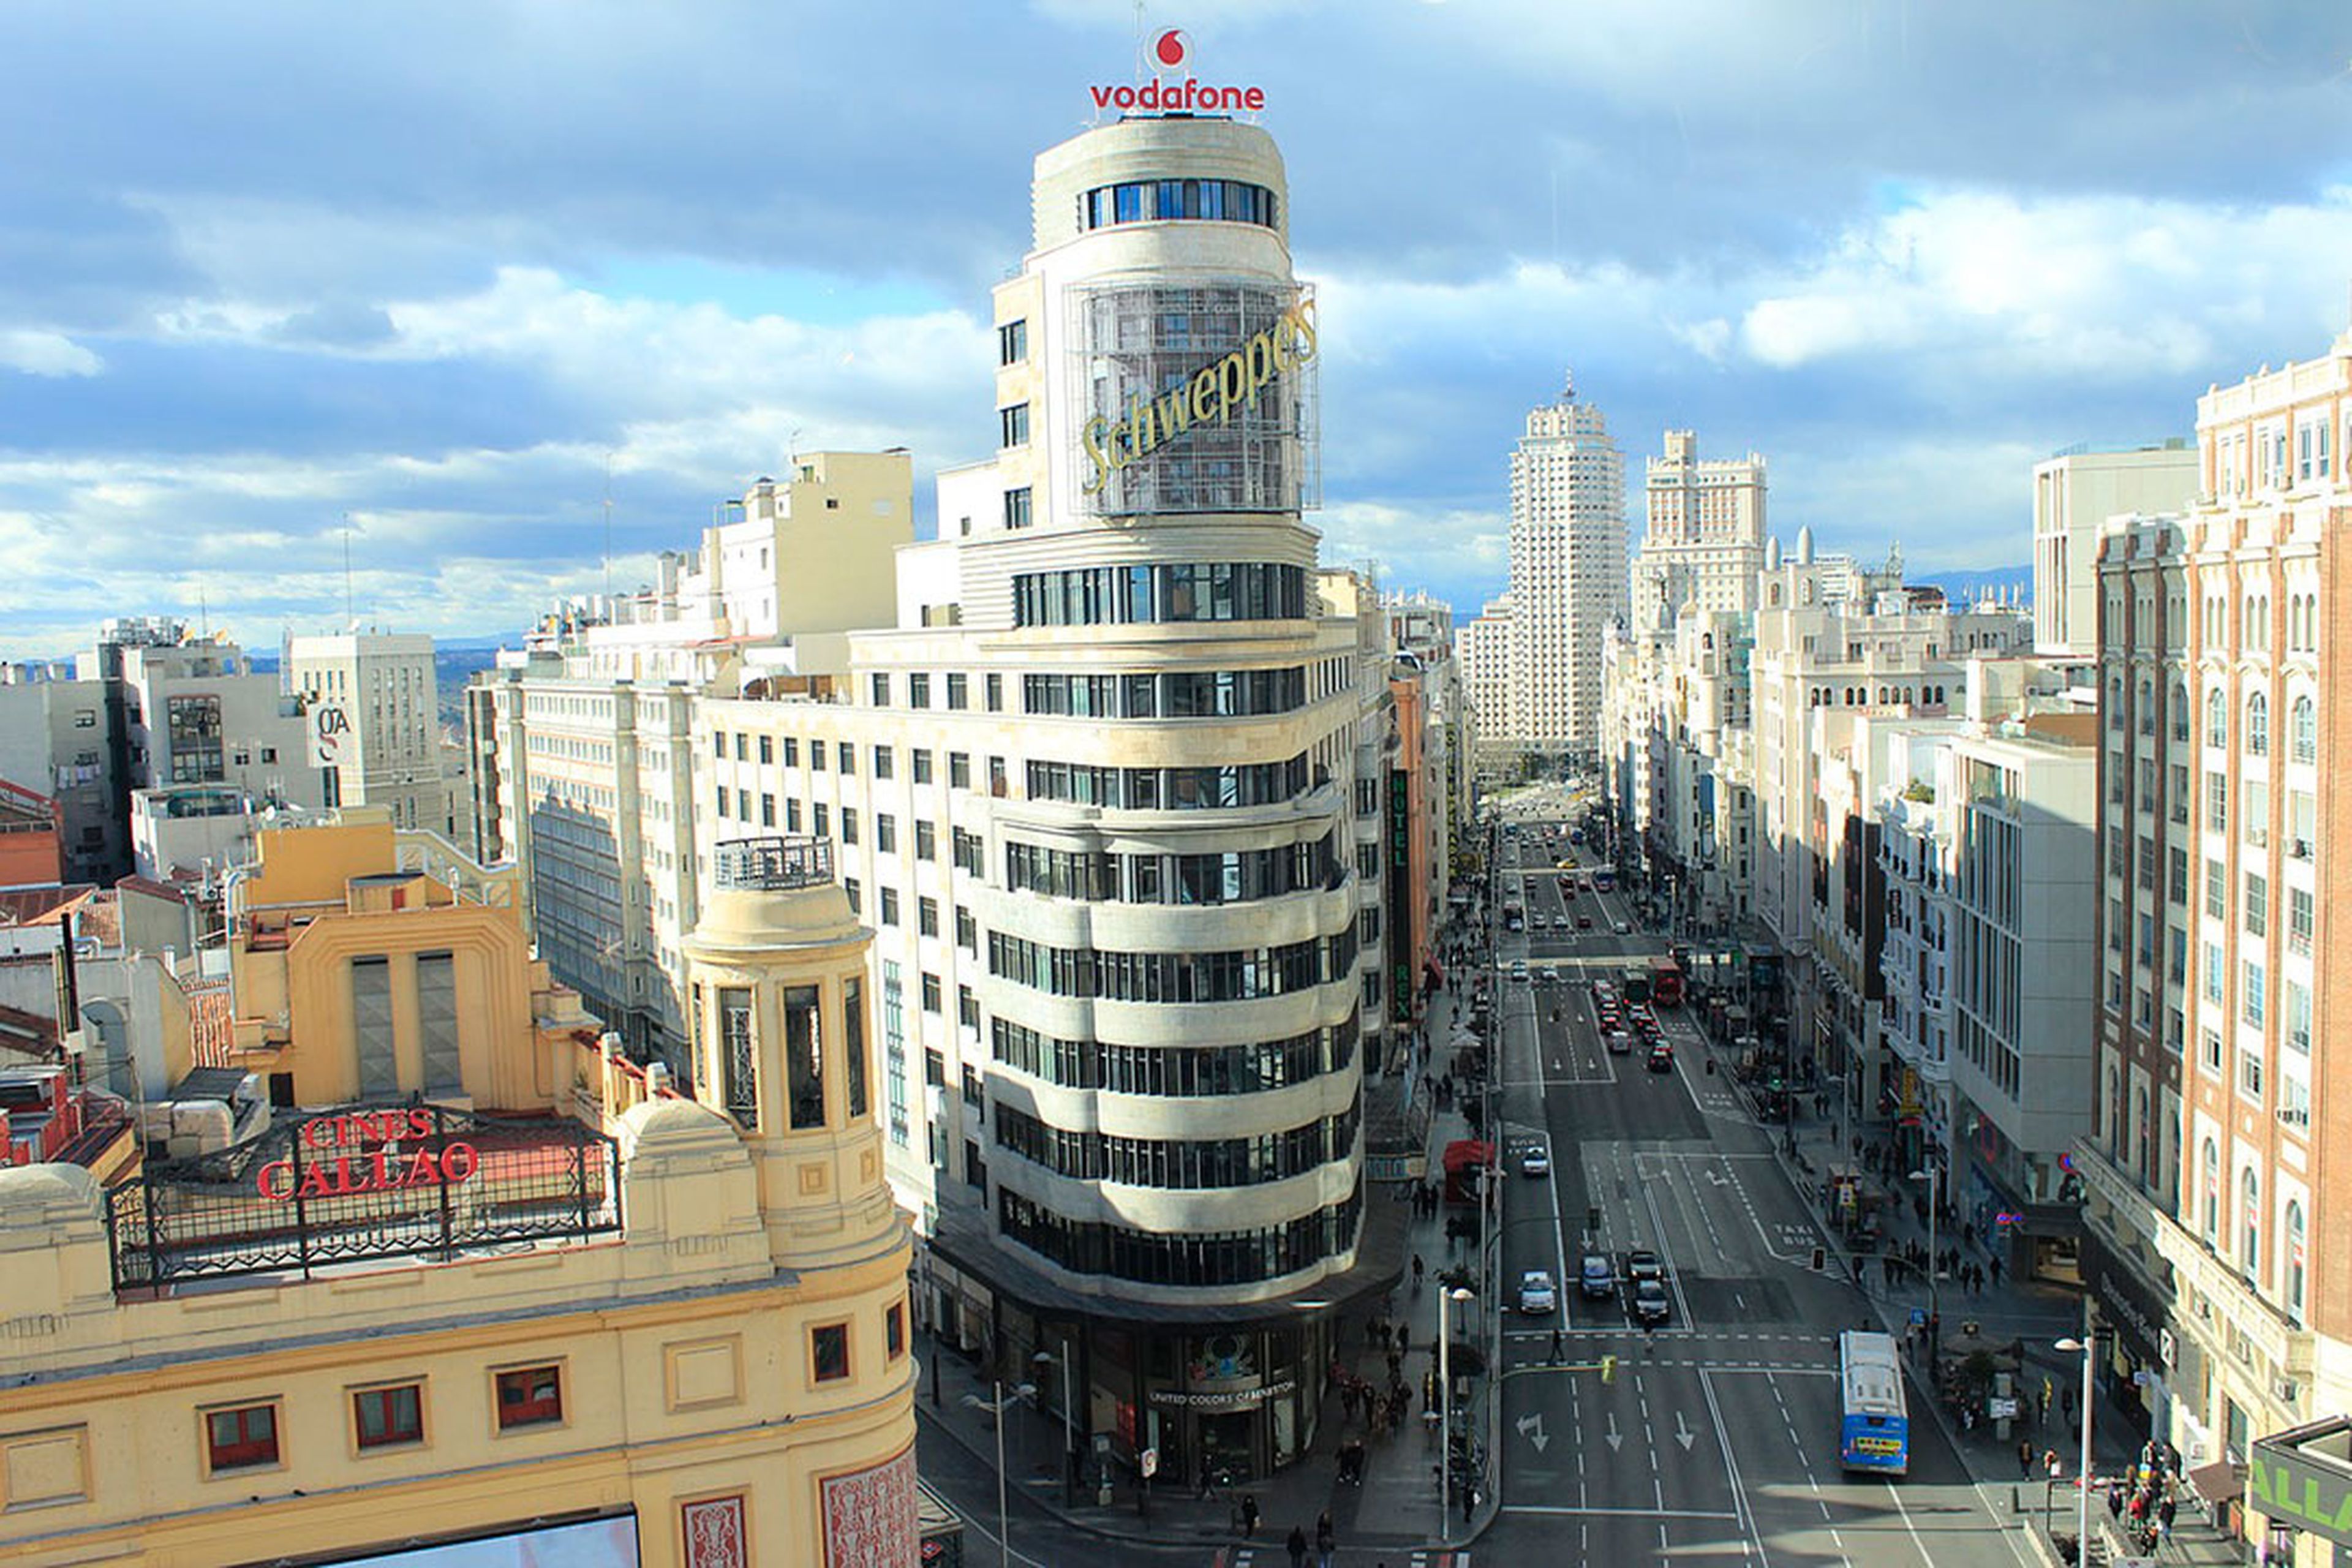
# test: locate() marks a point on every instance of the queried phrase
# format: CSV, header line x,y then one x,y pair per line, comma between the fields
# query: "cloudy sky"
x,y
278,281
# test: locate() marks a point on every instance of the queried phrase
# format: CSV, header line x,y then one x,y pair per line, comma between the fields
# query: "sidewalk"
x,y
1396,1507
2035,1313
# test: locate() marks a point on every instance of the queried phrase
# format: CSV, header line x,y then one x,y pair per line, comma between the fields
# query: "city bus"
x,y
1875,1432
1665,983
1636,984
1604,881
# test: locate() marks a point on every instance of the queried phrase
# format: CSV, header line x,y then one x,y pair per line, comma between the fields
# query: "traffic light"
x,y
1608,1369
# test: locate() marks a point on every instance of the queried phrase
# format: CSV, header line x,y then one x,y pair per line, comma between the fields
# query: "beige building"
x,y
581,741
2209,1167
373,719
1703,545
2075,494
552,1306
1568,573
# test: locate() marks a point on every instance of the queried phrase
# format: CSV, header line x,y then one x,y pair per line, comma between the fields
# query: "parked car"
x,y
1538,1295
1651,1303
1599,1280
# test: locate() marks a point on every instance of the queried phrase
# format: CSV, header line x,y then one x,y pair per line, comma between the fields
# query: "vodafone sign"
x,y
1170,52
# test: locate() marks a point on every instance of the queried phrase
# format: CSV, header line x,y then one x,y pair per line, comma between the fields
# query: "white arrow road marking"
x,y
1682,1433
1717,1178
1531,1428
1615,1436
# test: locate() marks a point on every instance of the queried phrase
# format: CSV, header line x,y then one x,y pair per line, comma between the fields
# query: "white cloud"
x,y
46,354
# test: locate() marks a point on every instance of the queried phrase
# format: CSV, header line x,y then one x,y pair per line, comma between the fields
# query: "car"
x,y
1624,927
1538,1295
1584,922
1618,1042
1651,1305
1608,1018
1534,1159
1662,1057
1642,1264
1519,968
1598,1281
1549,975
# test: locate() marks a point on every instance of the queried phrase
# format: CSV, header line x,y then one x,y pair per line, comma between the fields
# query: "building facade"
x,y
2215,1219
547,1304
1568,572
1703,542
2075,493
375,720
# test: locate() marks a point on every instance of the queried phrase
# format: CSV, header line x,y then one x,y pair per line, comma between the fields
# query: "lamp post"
x,y
1934,1268
1069,1425
1003,1511
2083,1512
1446,1414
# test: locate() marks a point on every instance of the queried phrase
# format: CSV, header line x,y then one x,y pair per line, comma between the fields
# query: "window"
x,y
1013,424
816,755
894,1330
995,690
819,820
2258,725
1017,510
2211,1216
767,749
2298,920
918,690
387,1417
241,1438
855,893
879,684
742,745
2250,1003
886,763
739,1062
927,916
1013,342
967,929
853,1041
890,906
792,750
2292,1257
2249,1220
767,810
2216,804
792,816
885,833
934,995
848,824
2304,723
530,1396
804,1058
959,770
926,840
2216,718
829,1352
847,754
921,759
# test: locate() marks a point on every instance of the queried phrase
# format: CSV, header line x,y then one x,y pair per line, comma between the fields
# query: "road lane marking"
x,y
1597,1512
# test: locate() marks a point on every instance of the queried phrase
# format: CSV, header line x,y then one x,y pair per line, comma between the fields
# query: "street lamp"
x,y
2083,1512
1446,1414
1069,1424
1003,1513
1934,1268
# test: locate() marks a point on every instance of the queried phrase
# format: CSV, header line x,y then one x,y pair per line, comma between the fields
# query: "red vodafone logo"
x,y
1171,52
1170,49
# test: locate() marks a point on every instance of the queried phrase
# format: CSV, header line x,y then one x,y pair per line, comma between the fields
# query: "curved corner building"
x,y
1111,793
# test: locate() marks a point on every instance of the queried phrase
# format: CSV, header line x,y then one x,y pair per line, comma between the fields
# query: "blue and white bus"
x,y
1874,1433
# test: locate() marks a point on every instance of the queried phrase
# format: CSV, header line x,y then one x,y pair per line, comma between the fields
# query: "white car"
x,y
1534,1159
1624,927
1538,1295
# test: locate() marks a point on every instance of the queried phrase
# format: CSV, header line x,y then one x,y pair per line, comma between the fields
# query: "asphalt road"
x,y
1717,1436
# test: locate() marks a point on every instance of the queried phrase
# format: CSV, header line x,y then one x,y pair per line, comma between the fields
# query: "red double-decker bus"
x,y
1665,983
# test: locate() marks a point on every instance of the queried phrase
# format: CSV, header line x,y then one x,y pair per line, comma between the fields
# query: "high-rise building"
x,y
1483,646
1703,544
1113,793
1567,573
2075,493
375,718
2211,1207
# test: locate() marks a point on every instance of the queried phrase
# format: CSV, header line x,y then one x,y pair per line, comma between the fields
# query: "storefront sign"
x,y
2288,1488
1234,1399
1209,398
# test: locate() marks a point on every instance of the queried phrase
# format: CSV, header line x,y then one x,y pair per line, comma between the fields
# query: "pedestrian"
x,y
1404,1329
2024,1458
1555,1344
2116,1498
2164,1512
1996,1268
1416,1263
1208,1480
1297,1545
1327,1541
1249,1516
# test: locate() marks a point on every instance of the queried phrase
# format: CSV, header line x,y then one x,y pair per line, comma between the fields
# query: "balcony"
x,y
773,864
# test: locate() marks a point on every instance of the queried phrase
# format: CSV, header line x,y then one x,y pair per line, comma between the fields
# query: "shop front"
x,y
2132,1359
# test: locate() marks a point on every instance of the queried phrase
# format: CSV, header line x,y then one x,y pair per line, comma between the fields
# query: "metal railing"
x,y
773,864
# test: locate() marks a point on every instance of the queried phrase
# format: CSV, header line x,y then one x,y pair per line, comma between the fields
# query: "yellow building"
x,y
552,1309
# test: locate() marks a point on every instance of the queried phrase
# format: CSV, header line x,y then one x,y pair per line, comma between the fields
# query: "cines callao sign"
x,y
1209,398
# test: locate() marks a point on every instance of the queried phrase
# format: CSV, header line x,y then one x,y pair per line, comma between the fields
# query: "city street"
x,y
1717,1434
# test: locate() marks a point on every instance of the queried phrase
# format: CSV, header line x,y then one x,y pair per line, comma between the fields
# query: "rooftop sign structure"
x,y
361,1184
1167,55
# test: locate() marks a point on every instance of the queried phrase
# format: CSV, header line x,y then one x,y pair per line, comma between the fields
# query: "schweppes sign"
x,y
1210,397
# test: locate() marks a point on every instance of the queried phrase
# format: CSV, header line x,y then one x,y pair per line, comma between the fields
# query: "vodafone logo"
x,y
1170,52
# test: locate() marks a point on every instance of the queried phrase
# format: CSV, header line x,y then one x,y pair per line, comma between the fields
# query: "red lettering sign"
x,y
383,1169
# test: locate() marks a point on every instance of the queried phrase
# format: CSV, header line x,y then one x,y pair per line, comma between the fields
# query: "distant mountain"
x,y
1964,587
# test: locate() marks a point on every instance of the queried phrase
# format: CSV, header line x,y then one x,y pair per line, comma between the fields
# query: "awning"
x,y
2218,1483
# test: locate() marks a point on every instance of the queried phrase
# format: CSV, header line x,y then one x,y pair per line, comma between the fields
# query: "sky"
x,y
310,313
